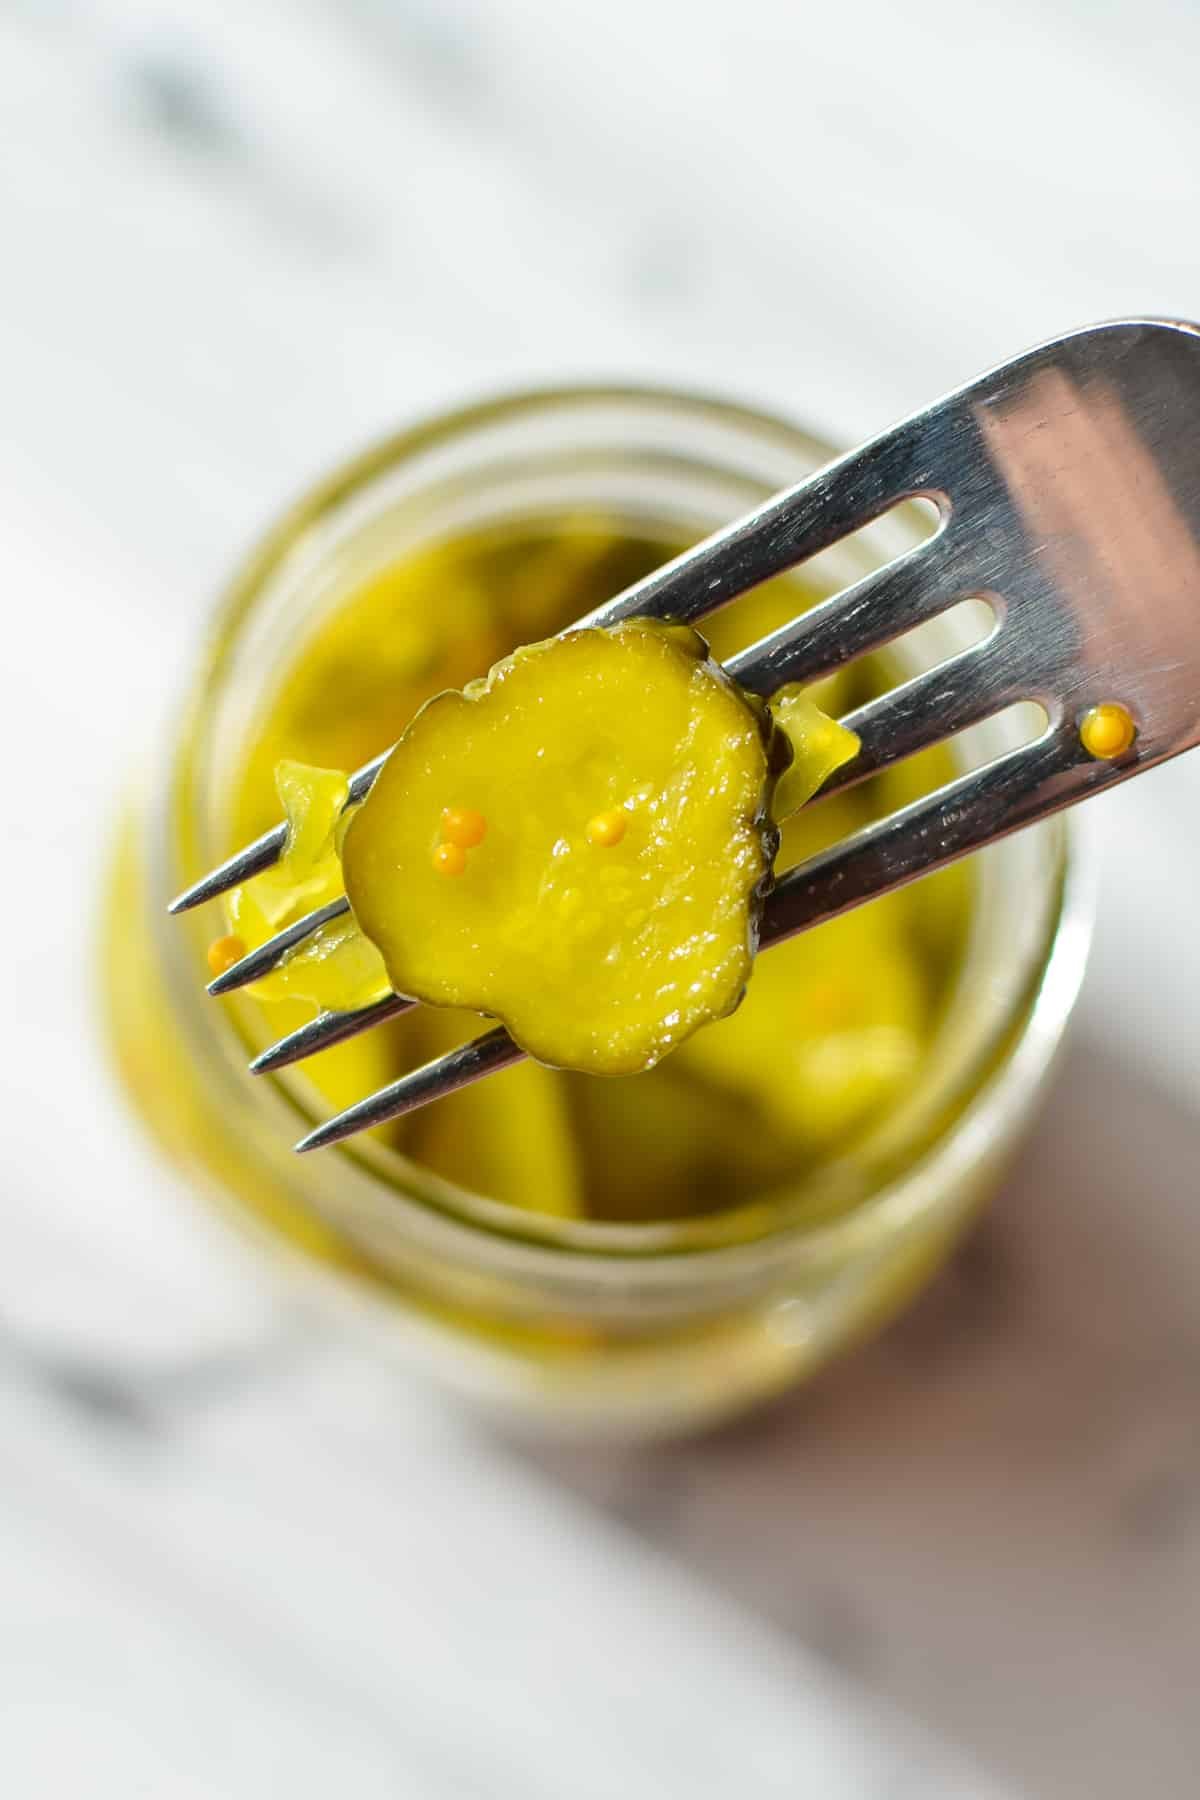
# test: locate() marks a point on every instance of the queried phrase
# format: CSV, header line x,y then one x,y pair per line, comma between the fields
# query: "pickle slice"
x,y
337,966
577,845
819,745
509,1138
827,1046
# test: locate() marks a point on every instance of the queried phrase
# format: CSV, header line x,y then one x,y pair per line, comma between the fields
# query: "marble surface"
x,y
237,1557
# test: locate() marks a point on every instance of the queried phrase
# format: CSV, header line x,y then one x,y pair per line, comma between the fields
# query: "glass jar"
x,y
634,1328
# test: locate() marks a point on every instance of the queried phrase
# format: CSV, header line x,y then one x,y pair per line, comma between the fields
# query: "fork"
x,y
1067,489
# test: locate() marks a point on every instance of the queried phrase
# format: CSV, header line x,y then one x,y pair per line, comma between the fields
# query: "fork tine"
x,y
469,1062
789,528
268,956
327,1029
882,606
266,850
261,854
956,819
933,706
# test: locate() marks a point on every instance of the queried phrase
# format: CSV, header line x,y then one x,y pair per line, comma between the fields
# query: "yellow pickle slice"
x,y
578,845
337,966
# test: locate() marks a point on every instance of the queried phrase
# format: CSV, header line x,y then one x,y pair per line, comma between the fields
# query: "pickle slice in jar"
x,y
829,1037
836,1022
510,1138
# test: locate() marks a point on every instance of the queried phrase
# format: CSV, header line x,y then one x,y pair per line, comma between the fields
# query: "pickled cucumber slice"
x,y
611,905
830,1044
308,874
509,1138
337,966
819,746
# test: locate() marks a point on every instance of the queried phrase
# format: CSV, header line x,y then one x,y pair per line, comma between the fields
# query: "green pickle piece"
x,y
510,1138
833,1043
598,955
337,966
819,745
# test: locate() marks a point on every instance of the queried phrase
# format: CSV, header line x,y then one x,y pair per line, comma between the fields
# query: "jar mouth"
x,y
741,449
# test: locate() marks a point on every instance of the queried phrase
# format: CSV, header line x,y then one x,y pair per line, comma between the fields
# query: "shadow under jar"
x,y
693,1267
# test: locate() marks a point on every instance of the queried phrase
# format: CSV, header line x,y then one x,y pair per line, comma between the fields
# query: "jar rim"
x,y
1040,1014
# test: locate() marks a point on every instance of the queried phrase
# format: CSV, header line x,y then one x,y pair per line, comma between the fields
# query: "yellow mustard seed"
x,y
463,826
606,829
449,859
1107,731
223,952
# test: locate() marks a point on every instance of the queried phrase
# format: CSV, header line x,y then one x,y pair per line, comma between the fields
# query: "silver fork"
x,y
1067,484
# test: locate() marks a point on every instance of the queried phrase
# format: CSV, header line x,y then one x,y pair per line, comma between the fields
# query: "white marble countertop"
x,y
237,1558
